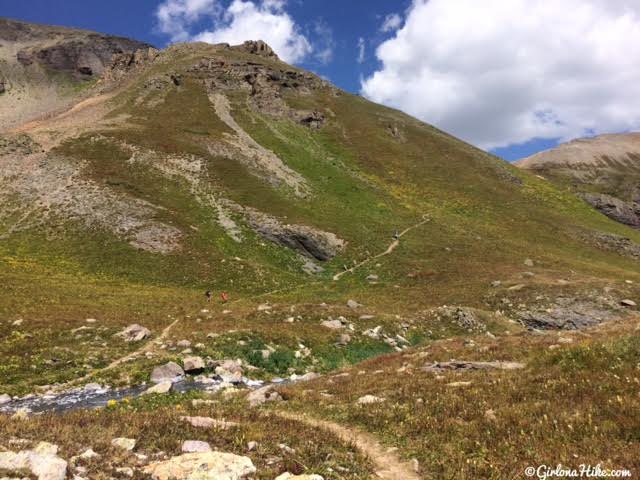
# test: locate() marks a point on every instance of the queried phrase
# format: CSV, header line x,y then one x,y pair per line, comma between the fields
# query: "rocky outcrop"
x,y
305,240
79,53
614,208
258,47
614,243
569,313
469,365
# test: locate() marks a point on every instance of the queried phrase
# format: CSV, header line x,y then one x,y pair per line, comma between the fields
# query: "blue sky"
x,y
514,89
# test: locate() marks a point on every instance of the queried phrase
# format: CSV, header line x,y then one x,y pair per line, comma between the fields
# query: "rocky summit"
x,y
217,265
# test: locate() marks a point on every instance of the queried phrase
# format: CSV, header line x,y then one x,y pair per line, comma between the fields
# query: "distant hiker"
x,y
224,296
208,294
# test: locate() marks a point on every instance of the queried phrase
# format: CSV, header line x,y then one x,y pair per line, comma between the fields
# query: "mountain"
x,y
336,238
603,170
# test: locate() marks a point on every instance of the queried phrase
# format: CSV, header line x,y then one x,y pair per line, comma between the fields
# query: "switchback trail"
x,y
392,246
388,465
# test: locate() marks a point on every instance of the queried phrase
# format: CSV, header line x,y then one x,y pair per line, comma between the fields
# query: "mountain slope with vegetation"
x,y
340,230
603,170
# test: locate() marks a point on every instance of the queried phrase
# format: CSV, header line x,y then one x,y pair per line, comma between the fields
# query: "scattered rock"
x,y
490,415
368,399
230,371
372,278
4,398
528,262
169,372
127,444
160,388
263,395
496,283
458,384
207,422
628,303
193,364
467,365
134,333
202,466
195,446
184,344
353,304
332,324
343,339
124,472
252,445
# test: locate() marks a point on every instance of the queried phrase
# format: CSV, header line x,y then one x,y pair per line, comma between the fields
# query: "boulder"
x,y
193,364
42,462
134,333
263,395
195,446
160,388
169,372
4,398
202,466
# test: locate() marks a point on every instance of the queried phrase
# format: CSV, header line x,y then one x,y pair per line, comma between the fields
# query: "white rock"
x,y
4,398
353,304
169,372
332,324
134,333
202,466
368,399
628,303
42,462
124,443
160,388
195,446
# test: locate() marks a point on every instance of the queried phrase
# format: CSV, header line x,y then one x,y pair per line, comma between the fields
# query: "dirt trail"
x,y
388,465
392,246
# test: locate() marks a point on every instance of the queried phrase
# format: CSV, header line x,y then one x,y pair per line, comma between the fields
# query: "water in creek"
x,y
96,396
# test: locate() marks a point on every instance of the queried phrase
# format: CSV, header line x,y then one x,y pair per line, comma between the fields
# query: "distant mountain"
x,y
604,170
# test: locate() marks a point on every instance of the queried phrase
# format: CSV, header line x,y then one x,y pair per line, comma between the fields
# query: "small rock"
x,y
195,446
353,304
193,364
263,395
169,372
496,283
343,339
490,415
88,454
372,278
207,422
458,384
184,344
252,445
628,303
124,472
368,399
127,444
134,333
291,476
528,262
4,398
332,324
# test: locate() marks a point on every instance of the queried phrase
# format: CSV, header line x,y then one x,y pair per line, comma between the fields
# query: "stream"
x,y
96,396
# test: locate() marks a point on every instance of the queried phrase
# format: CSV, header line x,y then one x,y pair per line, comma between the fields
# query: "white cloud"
x,y
391,22
361,49
241,20
497,73
323,41
174,16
